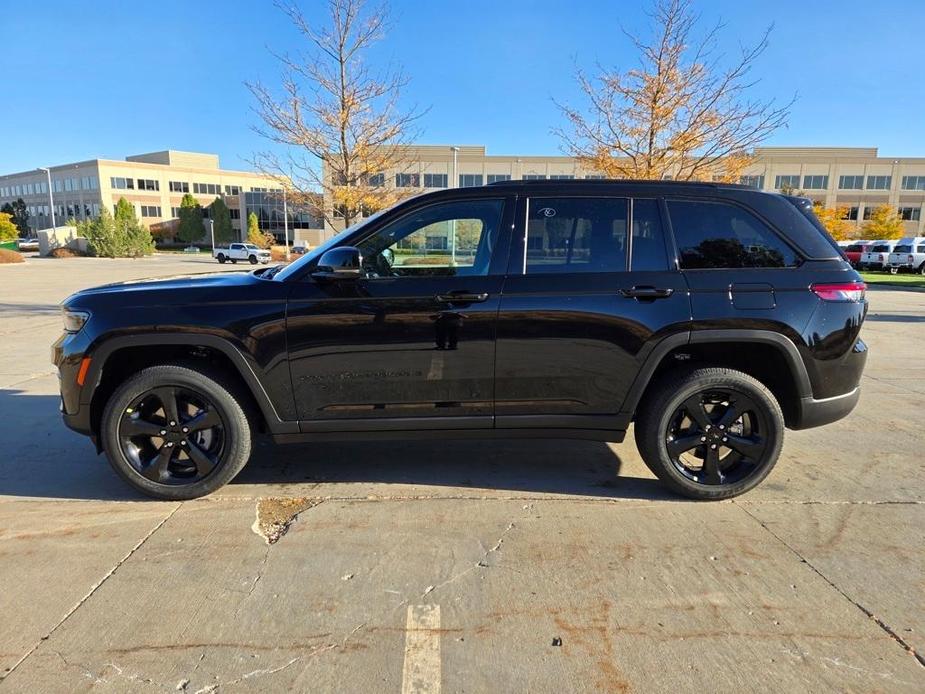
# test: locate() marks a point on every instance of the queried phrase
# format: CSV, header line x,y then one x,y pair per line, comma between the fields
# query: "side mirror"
x,y
339,264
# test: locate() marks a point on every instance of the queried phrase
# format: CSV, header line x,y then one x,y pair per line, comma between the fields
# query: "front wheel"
x,y
252,259
234,262
922,269
710,433
174,432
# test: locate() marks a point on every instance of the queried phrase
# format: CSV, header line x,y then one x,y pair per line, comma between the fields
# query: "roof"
x,y
617,181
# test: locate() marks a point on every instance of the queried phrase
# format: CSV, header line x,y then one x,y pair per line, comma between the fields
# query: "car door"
x,y
583,304
411,344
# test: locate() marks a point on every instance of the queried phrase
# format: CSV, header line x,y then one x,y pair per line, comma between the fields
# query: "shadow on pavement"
x,y
42,458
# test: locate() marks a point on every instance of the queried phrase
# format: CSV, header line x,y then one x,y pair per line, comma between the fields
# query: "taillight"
x,y
881,257
910,259
842,291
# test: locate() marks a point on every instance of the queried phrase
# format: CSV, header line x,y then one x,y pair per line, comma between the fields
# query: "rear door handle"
x,y
461,298
647,292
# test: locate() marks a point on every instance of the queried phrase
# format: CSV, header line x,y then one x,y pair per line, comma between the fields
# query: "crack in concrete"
x,y
870,615
480,564
260,570
93,590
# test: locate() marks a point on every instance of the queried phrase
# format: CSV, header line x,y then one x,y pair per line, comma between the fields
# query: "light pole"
x,y
212,234
286,223
51,198
453,222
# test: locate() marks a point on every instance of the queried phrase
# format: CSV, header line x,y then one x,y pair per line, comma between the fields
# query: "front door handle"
x,y
647,292
461,298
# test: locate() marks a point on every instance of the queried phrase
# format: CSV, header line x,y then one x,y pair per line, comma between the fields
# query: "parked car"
x,y
908,256
546,318
875,257
854,250
300,249
242,251
27,244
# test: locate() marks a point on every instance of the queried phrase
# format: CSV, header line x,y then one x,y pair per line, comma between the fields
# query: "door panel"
x,y
572,338
410,342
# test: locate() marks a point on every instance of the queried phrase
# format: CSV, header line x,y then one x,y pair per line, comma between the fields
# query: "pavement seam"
x,y
93,590
870,615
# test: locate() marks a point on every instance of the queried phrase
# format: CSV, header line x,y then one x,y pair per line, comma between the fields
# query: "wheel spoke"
x,y
682,444
693,406
132,426
711,471
751,447
203,461
168,397
738,406
156,470
204,420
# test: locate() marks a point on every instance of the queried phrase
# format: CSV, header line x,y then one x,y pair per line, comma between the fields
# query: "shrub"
x,y
122,236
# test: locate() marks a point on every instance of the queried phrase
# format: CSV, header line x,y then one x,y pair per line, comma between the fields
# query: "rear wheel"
x,y
710,433
222,258
922,269
234,262
173,432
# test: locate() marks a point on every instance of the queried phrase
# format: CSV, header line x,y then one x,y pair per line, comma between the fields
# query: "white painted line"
x,y
421,673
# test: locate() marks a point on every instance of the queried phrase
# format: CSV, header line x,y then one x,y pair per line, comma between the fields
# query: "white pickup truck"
x,y
242,251
908,256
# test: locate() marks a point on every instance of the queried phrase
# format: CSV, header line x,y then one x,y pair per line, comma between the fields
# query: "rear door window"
x,y
576,234
721,235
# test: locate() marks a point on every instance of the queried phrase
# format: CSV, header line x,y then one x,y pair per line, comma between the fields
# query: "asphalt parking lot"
x,y
465,566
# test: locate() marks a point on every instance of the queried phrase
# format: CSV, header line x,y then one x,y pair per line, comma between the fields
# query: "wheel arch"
x,y
774,360
116,358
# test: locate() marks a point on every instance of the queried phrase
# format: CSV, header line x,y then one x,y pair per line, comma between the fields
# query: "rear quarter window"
x,y
721,235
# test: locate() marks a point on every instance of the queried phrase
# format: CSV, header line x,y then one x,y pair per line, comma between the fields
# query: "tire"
x,y
717,394
213,455
234,262
252,259
222,258
922,269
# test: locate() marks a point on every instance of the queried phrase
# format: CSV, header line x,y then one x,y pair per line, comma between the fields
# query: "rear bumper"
x,y
816,413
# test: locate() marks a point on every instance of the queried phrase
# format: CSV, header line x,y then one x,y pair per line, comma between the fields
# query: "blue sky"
x,y
114,78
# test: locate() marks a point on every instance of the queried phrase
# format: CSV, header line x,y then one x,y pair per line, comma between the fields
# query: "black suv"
x,y
711,315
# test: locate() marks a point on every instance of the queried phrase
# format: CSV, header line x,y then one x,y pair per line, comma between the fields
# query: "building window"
x,y
89,183
435,180
377,180
116,182
175,212
469,180
232,190
150,211
910,214
148,184
179,187
561,177
869,211
850,182
234,212
752,181
406,180
534,177
815,182
787,182
206,188
595,177
852,213
879,182
495,178
913,183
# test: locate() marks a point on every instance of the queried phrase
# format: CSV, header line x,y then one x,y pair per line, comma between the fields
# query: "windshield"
x,y
881,247
295,267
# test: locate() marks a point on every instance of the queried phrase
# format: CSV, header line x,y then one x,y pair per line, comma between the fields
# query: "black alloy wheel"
x,y
172,435
717,437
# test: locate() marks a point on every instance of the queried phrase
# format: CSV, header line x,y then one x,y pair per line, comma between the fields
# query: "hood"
x,y
187,283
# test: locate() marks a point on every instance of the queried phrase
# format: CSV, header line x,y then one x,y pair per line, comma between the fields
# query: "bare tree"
x,y
683,112
339,123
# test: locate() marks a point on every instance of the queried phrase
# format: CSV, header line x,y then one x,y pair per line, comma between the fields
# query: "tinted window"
x,y
903,249
576,235
648,243
855,247
880,248
719,235
449,239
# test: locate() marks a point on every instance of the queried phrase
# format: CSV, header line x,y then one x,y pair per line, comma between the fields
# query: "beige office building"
x,y
154,183
856,178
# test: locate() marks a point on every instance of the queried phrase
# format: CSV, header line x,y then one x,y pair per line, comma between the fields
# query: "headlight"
x,y
74,320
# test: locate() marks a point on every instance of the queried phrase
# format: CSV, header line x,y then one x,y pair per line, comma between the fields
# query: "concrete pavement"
x,y
469,566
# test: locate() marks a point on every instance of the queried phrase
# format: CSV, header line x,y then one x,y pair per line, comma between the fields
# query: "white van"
x,y
908,256
875,257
